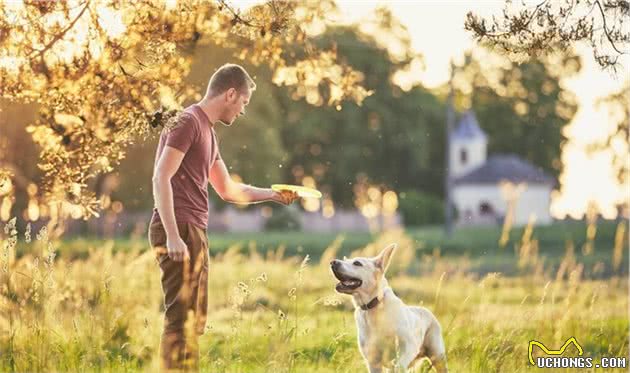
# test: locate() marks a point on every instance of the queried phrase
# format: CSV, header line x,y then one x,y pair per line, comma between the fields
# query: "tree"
x,y
619,137
18,156
394,139
99,70
558,24
522,107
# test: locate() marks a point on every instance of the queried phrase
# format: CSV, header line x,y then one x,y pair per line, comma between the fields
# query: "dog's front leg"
x,y
373,360
408,354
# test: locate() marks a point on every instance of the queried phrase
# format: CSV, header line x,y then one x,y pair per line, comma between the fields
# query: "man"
x,y
187,158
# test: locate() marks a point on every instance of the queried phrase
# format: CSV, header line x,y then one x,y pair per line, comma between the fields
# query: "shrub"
x,y
418,208
284,218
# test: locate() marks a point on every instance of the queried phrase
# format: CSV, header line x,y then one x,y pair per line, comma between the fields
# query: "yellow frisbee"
x,y
301,191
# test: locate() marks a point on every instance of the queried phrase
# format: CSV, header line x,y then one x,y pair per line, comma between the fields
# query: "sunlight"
x,y
5,207
11,64
112,21
75,40
588,178
311,204
328,210
170,4
390,203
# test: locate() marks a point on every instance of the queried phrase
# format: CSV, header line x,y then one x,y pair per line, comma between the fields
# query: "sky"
x,y
437,31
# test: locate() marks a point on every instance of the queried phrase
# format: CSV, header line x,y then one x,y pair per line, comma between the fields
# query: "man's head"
x,y
232,87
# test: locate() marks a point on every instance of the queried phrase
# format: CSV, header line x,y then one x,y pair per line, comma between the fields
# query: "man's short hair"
x,y
230,76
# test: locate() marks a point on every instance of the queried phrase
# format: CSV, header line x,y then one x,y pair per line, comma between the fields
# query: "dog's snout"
x,y
334,263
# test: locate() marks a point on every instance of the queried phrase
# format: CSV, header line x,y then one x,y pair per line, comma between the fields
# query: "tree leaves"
x,y
553,25
116,68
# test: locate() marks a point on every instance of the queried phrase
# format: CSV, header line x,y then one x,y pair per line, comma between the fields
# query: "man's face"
x,y
235,105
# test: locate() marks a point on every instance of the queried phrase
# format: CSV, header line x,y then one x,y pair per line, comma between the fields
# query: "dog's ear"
x,y
384,258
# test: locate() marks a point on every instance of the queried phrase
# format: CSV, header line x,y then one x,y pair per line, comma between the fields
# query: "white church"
x,y
487,190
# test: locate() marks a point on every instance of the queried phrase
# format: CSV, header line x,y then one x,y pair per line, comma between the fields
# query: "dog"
x,y
388,330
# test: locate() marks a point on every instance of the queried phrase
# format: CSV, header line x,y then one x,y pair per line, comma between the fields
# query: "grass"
x,y
96,305
478,247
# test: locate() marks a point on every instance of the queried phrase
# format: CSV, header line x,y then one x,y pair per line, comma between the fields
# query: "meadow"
x,y
95,305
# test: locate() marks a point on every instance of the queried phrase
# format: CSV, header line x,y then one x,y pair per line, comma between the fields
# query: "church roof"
x,y
505,167
468,128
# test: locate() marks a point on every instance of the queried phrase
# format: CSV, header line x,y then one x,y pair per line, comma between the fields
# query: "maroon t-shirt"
x,y
193,135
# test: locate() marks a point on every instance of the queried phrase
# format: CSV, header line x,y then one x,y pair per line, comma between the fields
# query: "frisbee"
x,y
301,191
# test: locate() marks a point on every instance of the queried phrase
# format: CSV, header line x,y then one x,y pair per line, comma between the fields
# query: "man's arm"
x,y
166,167
234,192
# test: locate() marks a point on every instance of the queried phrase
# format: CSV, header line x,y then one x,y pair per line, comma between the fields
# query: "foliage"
x,y
98,70
619,137
393,139
418,208
557,25
284,218
522,107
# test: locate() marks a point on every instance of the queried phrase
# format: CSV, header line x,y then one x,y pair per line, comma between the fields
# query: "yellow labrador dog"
x,y
390,333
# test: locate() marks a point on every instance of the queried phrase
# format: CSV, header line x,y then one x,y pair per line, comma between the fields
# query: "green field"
x,y
478,248
96,306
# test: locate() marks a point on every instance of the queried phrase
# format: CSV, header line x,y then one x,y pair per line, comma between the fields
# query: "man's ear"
x,y
383,259
231,94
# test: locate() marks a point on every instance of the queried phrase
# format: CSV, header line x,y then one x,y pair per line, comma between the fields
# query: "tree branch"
x,y
61,34
606,32
526,23
237,16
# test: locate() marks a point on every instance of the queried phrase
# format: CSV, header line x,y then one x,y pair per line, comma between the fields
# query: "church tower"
x,y
468,146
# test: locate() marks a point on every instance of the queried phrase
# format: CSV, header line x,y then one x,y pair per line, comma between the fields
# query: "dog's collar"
x,y
371,304
374,302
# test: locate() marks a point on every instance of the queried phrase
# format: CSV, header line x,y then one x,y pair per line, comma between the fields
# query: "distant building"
x,y
486,188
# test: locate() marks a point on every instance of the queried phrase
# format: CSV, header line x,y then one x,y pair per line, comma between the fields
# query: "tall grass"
x,y
276,313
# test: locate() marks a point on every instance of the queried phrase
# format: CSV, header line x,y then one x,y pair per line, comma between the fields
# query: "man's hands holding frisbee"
x,y
286,197
287,194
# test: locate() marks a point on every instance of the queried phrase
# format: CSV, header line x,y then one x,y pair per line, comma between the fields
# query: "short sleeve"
x,y
183,134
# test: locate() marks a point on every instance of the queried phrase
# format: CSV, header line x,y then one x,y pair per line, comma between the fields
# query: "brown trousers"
x,y
185,289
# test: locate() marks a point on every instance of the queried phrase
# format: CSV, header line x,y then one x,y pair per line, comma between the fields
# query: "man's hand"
x,y
286,197
177,249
